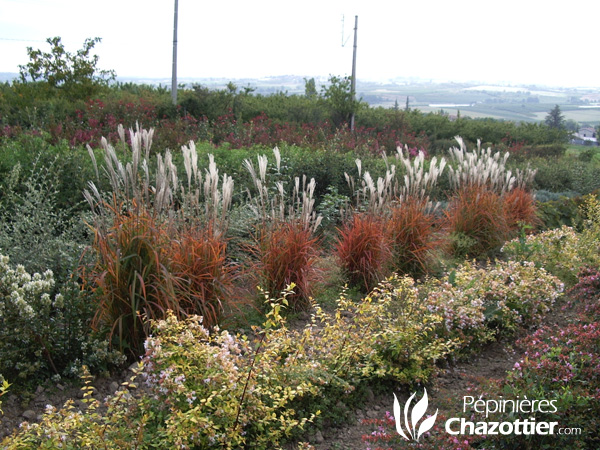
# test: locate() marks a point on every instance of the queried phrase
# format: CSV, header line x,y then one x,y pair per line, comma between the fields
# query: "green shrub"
x,y
219,390
565,174
42,334
563,251
514,293
478,304
35,230
561,212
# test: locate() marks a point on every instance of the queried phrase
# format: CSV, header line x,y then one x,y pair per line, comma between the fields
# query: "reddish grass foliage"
x,y
204,279
414,237
287,253
131,278
476,221
146,267
363,250
520,209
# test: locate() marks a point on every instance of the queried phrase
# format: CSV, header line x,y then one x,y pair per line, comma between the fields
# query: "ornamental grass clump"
x,y
363,246
412,224
159,241
489,203
285,246
395,214
363,250
203,199
132,278
520,207
476,221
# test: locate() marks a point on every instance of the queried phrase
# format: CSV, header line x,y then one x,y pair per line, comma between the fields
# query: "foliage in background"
x,y
75,75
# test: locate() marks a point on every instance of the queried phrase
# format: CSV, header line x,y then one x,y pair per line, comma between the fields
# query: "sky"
x,y
547,43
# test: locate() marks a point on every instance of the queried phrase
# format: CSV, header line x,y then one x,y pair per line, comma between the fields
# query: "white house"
x,y
587,134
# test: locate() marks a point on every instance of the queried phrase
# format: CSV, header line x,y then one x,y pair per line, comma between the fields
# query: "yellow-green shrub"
x,y
563,251
512,293
219,390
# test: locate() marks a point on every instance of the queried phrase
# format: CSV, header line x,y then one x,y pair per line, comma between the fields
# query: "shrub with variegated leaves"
x,y
561,251
513,293
479,303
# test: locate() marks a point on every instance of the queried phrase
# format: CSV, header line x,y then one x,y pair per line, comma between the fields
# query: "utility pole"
x,y
353,81
174,73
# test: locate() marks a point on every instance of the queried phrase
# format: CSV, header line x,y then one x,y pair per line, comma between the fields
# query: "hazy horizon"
x,y
513,43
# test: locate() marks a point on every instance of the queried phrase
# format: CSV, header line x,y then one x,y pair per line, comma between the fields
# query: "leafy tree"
x,y
555,119
310,88
75,74
340,101
572,125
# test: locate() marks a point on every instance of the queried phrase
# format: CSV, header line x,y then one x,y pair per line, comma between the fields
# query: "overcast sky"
x,y
543,42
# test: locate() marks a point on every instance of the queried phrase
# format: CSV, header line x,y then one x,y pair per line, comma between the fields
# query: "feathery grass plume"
x,y
159,240
480,167
206,199
373,196
488,202
271,204
284,243
418,183
403,210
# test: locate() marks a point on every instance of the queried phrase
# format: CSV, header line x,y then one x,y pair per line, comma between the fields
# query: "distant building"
x,y
586,135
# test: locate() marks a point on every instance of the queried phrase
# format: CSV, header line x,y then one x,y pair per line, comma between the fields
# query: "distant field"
x,y
517,103
578,115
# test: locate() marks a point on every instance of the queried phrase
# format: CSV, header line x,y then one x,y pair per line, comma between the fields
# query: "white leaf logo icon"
x,y
417,413
427,425
397,414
